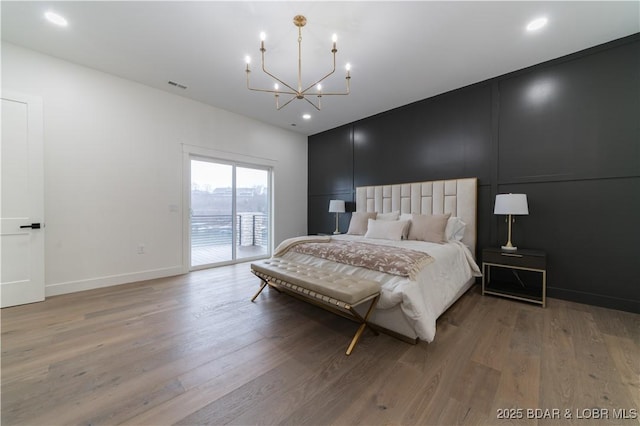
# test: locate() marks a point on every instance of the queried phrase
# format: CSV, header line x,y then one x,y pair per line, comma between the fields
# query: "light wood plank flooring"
x,y
193,350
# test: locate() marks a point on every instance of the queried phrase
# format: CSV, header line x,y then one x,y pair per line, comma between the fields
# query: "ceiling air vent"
x,y
178,85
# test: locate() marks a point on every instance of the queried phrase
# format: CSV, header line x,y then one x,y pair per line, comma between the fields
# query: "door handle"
x,y
32,226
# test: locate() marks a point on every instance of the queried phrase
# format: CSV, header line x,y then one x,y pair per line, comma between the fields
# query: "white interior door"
x,y
22,201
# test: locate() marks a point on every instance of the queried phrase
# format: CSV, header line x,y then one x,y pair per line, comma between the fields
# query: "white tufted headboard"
x,y
456,196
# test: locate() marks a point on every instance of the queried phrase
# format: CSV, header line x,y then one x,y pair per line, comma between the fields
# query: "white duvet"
x,y
423,300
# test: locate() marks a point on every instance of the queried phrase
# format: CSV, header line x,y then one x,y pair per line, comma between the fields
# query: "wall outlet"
x,y
140,248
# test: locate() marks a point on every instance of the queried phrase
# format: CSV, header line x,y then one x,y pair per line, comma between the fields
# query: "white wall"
x,y
113,169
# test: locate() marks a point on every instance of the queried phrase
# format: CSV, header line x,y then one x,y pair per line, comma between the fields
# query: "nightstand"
x,y
520,274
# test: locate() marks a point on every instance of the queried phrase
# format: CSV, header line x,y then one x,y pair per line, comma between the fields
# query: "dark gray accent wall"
x,y
565,132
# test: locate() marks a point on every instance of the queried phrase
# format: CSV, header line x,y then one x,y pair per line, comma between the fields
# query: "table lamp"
x,y
511,204
337,207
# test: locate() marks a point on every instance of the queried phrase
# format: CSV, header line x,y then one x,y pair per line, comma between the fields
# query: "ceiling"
x,y
399,52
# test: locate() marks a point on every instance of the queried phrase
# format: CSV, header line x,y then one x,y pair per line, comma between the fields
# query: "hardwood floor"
x,y
193,350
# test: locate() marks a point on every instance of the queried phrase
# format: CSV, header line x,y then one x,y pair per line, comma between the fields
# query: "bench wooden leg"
x,y
264,284
356,337
363,325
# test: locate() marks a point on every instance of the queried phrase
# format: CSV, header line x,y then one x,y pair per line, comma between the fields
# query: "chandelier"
x,y
299,92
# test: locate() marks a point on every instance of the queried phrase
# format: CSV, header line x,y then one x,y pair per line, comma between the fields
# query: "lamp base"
x,y
337,232
509,248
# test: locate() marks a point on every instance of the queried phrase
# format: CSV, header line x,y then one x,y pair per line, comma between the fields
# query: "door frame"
x,y
190,152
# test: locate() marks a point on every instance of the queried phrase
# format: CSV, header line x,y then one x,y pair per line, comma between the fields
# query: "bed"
x,y
409,305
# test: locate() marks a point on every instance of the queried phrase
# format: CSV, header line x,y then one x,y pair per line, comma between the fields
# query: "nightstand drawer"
x,y
531,259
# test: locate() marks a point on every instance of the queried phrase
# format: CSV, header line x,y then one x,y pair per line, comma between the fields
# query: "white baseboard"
x,y
111,280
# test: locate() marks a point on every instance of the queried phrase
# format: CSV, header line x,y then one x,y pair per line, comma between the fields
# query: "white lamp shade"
x,y
511,204
336,206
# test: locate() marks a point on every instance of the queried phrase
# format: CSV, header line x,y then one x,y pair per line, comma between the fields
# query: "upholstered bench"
x,y
338,293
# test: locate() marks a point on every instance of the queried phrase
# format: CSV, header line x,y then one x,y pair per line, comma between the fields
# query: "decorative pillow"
x,y
455,229
385,229
389,216
358,224
429,228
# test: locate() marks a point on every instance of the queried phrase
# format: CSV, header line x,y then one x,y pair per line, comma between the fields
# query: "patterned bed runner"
x,y
387,259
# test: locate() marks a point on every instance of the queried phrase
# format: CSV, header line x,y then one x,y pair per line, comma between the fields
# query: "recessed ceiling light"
x,y
306,116
56,19
536,24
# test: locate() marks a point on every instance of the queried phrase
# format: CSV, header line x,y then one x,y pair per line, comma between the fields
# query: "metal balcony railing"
x,y
252,229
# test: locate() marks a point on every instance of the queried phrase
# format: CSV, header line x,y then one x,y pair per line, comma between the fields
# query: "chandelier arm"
x,y
264,69
304,92
293,91
276,92
340,93
314,105
287,103
323,78
336,93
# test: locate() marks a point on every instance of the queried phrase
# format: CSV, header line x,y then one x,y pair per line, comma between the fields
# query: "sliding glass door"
x,y
252,212
230,212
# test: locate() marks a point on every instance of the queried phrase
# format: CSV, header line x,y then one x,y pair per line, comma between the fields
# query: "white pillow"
x,y
385,229
455,229
388,216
